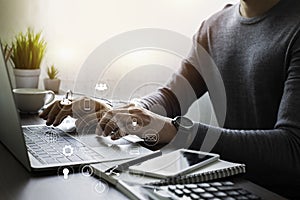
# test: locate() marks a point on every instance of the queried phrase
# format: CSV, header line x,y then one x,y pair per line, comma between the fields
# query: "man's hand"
x,y
134,120
79,109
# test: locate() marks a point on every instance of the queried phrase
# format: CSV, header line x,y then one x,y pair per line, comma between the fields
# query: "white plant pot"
x,y
27,78
52,84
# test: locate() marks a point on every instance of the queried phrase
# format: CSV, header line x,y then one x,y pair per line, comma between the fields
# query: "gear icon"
x,y
68,150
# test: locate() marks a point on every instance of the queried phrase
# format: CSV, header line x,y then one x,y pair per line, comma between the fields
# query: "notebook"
x,y
125,180
216,170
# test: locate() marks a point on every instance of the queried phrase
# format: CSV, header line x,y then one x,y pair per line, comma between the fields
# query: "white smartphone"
x,y
178,162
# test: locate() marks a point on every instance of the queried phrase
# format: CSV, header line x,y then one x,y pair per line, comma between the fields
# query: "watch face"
x,y
184,122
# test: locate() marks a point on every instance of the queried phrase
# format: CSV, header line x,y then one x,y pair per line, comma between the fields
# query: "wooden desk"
x,y
16,183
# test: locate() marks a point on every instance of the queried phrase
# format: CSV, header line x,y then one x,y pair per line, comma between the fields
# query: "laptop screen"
x,y
11,133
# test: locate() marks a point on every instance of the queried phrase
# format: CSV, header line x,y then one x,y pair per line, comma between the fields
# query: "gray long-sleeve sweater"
x,y
259,62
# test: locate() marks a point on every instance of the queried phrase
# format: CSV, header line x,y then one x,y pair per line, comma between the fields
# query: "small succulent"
x,y
52,72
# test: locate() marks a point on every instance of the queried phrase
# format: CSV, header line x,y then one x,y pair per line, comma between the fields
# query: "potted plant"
x,y
27,52
52,82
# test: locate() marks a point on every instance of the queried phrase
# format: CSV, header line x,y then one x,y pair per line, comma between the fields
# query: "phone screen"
x,y
176,162
183,160
189,159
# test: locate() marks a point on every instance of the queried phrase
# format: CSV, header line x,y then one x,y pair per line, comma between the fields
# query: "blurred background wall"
x,y
74,28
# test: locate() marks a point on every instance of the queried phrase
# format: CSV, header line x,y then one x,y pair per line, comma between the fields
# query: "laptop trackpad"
x,y
100,141
108,148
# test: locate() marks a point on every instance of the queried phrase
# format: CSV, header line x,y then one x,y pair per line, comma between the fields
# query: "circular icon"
x,y
87,170
101,187
68,150
151,138
134,124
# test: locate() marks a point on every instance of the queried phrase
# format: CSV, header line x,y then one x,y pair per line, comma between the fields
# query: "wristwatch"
x,y
182,122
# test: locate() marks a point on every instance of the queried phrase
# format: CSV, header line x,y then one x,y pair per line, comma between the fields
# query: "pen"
x,y
125,165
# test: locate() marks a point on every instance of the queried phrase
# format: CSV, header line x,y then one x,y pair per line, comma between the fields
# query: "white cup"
x,y
31,100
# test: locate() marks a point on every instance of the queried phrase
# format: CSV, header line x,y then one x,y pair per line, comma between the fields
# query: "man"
x,y
256,47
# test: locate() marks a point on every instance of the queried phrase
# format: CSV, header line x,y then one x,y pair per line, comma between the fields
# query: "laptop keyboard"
x,y
225,190
51,145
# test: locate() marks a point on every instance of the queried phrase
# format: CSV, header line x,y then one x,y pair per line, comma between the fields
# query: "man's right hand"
x,y
79,108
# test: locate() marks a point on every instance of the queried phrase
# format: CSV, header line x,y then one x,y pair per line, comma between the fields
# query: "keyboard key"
x,y
181,187
228,198
41,153
215,184
242,198
203,185
191,186
220,194
206,195
55,154
233,193
45,156
194,196
211,189
50,161
227,183
186,192
98,157
254,197
226,188
243,192
172,187
198,190
51,151
178,193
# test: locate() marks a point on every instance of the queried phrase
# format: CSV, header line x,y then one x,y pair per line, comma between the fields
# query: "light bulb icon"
x,y
66,173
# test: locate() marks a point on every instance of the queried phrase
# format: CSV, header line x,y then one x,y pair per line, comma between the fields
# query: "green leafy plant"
x,y
28,50
52,72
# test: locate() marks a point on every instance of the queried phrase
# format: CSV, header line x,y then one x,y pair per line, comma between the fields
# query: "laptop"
x,y
41,147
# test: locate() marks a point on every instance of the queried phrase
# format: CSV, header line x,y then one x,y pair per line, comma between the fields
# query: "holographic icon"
x,y
151,138
51,136
101,187
68,150
66,172
134,151
67,100
134,123
112,171
87,171
87,104
101,86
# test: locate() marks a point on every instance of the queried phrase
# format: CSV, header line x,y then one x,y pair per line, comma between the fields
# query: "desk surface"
x,y
17,183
